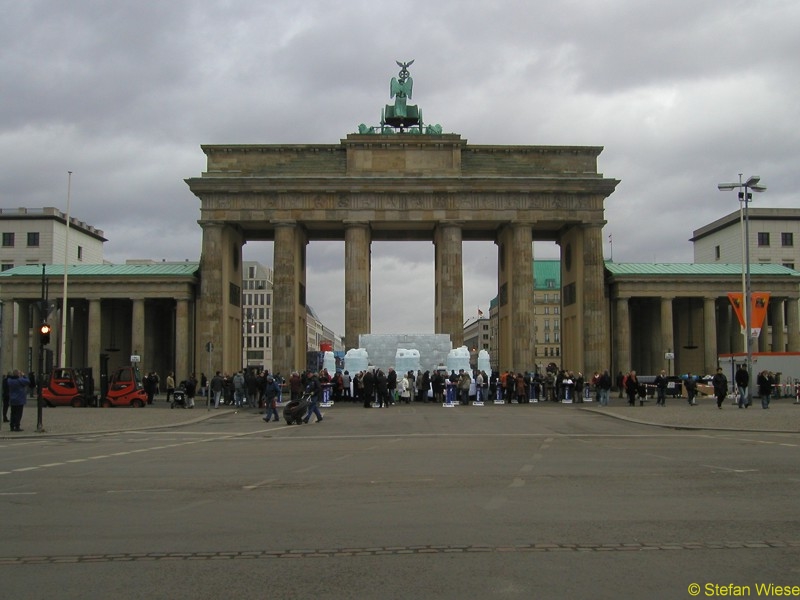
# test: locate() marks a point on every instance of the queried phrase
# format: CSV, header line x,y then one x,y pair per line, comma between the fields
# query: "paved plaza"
x,y
782,416
412,501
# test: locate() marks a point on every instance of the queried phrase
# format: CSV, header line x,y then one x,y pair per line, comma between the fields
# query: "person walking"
x,y
17,397
764,388
346,381
742,379
720,383
190,387
215,387
661,388
631,388
368,387
604,387
239,392
691,388
314,390
464,382
271,399
404,387
170,385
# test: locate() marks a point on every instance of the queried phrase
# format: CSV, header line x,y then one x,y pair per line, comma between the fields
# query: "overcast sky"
x,y
682,94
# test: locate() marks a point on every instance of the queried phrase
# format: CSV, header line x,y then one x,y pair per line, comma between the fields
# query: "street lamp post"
x,y
752,184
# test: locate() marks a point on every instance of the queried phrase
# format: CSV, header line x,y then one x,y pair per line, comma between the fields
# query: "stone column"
x,y
725,327
449,303
596,354
710,354
137,333
776,318
211,300
667,330
7,356
289,302
26,342
182,348
793,324
622,335
357,282
521,293
24,337
94,339
667,325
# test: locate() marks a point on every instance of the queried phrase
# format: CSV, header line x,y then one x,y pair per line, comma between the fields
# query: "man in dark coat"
x,y
17,397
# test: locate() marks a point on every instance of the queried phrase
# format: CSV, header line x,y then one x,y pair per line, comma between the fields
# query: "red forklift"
x,y
68,386
125,389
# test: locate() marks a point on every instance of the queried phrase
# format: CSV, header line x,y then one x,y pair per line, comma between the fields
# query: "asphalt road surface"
x,y
407,502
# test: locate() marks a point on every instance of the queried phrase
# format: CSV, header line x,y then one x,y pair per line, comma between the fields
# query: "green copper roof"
x,y
546,274
107,270
690,269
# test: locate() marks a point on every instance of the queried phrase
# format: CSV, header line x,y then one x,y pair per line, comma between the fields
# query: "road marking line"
x,y
517,482
730,469
257,485
18,493
138,491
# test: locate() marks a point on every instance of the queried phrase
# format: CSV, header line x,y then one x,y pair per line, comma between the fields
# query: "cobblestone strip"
x,y
395,550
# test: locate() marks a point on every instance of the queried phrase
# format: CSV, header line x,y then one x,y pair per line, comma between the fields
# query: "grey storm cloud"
x,y
681,94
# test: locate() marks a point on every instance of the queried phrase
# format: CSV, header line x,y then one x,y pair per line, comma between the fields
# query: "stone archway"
x,y
408,186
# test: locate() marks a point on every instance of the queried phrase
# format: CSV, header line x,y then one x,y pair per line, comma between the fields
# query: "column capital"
x,y
356,223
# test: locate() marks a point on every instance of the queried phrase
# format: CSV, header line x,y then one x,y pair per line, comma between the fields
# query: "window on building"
x,y
787,239
8,239
763,238
6,266
551,283
789,265
33,239
547,310
80,252
716,253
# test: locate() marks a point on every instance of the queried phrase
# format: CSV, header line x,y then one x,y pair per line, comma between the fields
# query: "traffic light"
x,y
44,334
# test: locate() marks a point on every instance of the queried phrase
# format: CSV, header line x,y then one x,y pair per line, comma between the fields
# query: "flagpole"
x,y
63,356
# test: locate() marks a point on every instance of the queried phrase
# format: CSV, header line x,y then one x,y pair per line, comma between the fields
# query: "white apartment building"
x,y
257,315
774,238
39,236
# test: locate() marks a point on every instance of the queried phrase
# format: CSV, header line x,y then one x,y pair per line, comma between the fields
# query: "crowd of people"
x,y
375,387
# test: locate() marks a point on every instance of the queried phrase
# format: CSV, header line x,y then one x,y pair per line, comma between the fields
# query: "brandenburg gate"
x,y
403,181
